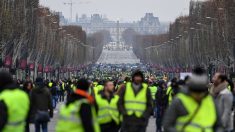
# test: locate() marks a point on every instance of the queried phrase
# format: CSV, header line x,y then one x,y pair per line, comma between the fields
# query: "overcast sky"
x,y
124,10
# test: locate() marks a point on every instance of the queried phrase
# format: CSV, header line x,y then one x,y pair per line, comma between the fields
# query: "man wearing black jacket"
x,y
161,104
41,106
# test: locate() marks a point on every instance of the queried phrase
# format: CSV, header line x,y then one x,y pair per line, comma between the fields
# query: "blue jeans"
x,y
155,111
39,125
54,101
159,118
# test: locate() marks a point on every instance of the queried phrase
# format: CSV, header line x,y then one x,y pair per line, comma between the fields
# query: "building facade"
x,y
149,24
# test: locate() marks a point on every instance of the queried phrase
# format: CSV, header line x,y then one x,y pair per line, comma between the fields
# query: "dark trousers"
x,y
159,118
41,125
159,124
133,128
61,96
27,127
110,127
54,101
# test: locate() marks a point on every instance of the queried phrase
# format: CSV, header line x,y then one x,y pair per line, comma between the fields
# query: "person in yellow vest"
x,y
14,105
193,110
50,84
107,108
172,90
95,83
135,104
98,88
73,86
78,114
153,90
61,90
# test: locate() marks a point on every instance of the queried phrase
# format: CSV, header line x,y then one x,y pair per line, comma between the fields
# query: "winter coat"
x,y
40,99
224,100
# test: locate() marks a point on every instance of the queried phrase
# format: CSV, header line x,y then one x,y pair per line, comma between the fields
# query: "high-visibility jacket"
x,y
73,87
17,103
135,104
63,86
95,84
229,88
153,90
98,88
169,93
70,120
107,111
205,118
50,84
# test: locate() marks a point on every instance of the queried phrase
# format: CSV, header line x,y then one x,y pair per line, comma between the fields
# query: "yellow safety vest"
x,y
229,88
135,104
153,90
17,103
50,84
70,120
169,93
205,118
95,84
98,88
73,87
63,86
107,111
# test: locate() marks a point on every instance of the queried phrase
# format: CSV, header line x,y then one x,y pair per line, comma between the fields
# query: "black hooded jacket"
x,y
40,99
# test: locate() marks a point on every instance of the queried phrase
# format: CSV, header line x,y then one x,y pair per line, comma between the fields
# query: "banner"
x,y
23,64
8,61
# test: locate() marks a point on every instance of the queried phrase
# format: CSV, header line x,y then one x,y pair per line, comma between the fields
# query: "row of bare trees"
x,y
31,36
206,37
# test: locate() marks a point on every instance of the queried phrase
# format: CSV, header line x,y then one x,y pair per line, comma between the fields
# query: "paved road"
x,y
118,57
151,127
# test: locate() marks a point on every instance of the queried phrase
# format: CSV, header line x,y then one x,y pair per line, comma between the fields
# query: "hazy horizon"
x,y
123,10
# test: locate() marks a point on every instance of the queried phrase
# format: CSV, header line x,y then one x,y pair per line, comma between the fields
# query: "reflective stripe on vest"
x,y
204,120
17,103
15,123
107,111
135,104
69,118
153,90
196,126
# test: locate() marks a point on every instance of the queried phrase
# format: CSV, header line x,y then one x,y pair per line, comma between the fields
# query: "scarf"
x,y
215,90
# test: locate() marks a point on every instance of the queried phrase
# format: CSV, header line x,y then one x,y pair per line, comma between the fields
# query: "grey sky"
x,y
124,10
